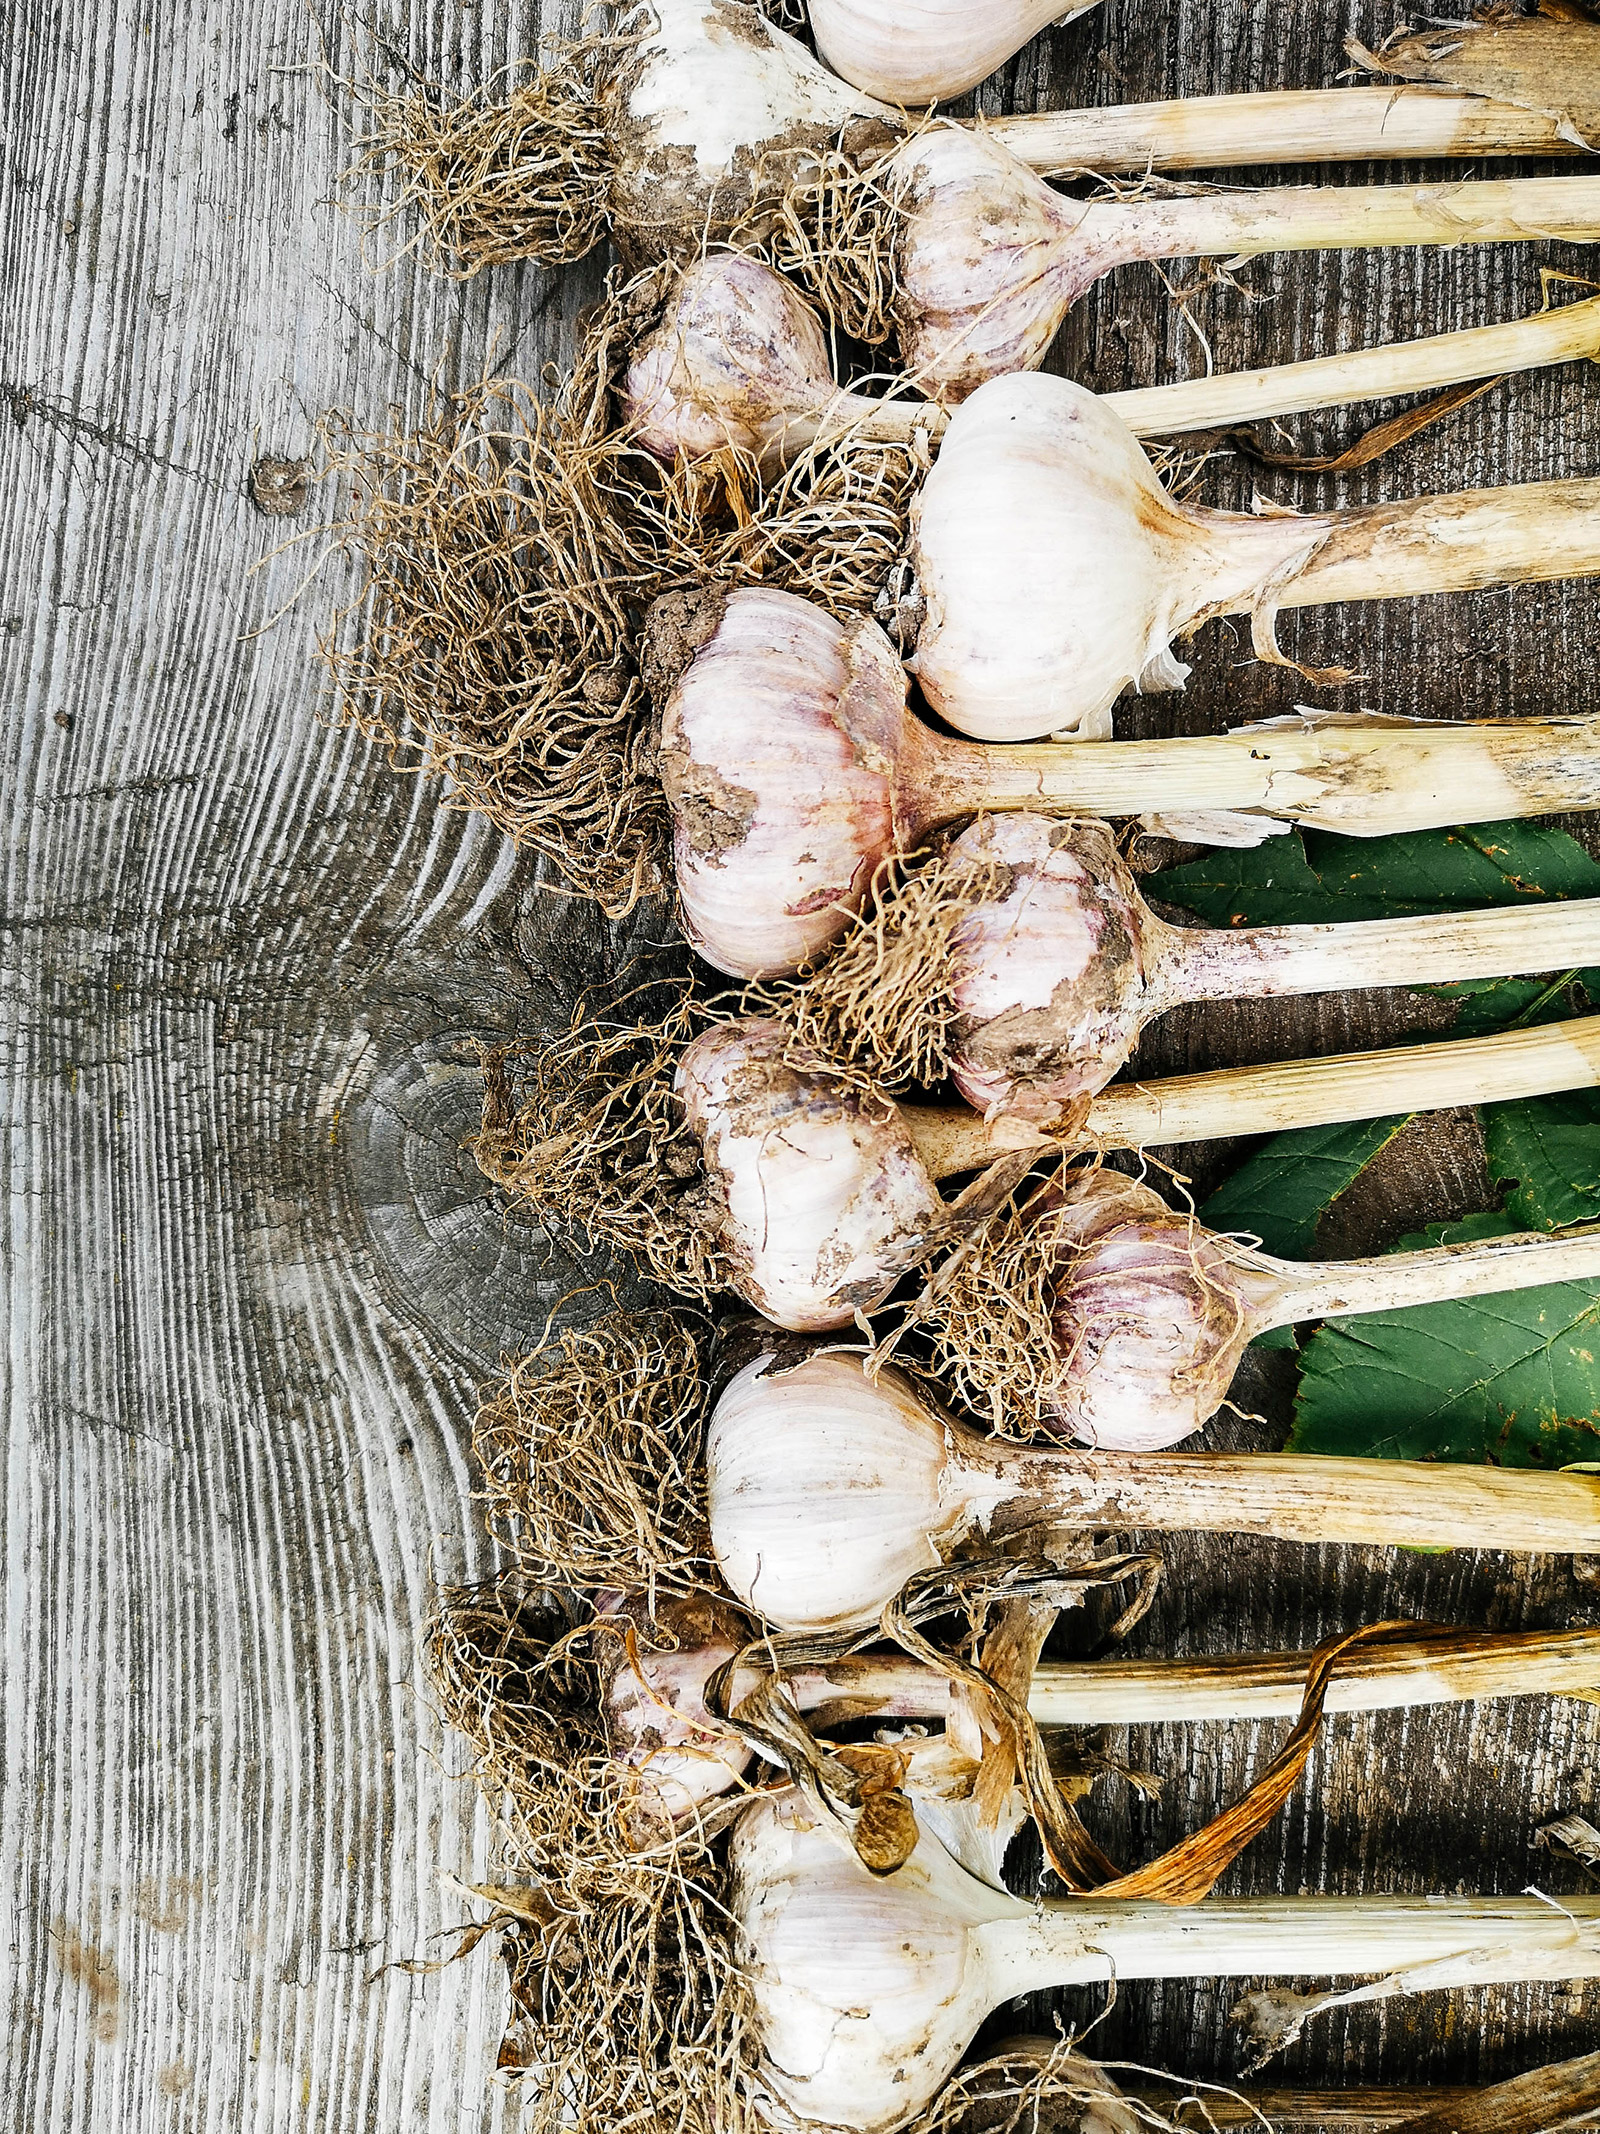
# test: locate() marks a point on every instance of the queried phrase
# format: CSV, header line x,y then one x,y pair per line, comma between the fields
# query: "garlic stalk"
x,y
1056,964
659,1724
820,1197
1151,1312
915,52
987,260
1056,570
692,121
903,1489
739,360
794,769
867,1993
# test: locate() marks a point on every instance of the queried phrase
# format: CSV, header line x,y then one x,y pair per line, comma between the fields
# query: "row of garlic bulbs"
x,y
866,1993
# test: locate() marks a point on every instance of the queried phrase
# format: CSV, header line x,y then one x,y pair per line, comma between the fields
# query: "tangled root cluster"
x,y
520,169
588,1132
592,1457
629,2005
884,1001
835,233
490,638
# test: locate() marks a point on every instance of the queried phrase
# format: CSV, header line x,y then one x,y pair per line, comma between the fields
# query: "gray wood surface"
x,y
250,1280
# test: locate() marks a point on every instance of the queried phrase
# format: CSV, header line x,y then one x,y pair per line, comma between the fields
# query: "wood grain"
x,y
250,1279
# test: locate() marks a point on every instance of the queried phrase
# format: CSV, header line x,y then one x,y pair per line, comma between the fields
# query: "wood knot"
x,y
278,486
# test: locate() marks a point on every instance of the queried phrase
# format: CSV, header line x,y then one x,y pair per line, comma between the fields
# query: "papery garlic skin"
x,y
1150,1312
825,1561
709,114
1049,973
1057,570
865,1989
740,360
988,260
823,1202
810,711
657,1720
914,52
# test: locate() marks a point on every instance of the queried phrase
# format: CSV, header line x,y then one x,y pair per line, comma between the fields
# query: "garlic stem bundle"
x,y
659,1724
793,769
868,1992
1151,1313
1029,949
740,361
691,122
1056,570
984,260
902,1489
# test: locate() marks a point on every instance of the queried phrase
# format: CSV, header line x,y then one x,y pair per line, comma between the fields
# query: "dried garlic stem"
x,y
1434,1669
1454,544
1311,1499
1351,1085
1283,126
1481,1267
1433,948
1316,218
1271,1098
1371,780
1363,374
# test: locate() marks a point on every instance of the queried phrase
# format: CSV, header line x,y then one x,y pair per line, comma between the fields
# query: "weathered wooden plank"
x,y
250,1279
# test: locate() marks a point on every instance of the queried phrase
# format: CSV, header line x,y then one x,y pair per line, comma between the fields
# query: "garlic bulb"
x,y
1152,1312
914,52
809,713
1056,569
657,1720
740,361
822,1201
709,114
988,259
827,1490
868,1992
781,820
1054,971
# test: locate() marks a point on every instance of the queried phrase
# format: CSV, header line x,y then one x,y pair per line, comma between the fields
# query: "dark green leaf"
x,y
1550,1146
1312,876
1514,1379
1281,1193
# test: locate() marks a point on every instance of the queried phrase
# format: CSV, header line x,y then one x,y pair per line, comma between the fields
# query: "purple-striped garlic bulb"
x,y
1151,1314
1058,962
821,1199
773,856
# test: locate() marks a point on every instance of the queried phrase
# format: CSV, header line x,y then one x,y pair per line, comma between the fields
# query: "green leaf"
x,y
1281,1193
1514,1379
1550,1147
1311,876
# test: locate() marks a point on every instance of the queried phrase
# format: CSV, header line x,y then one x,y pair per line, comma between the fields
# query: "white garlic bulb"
x,y
1057,570
826,1490
915,52
822,1200
708,116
